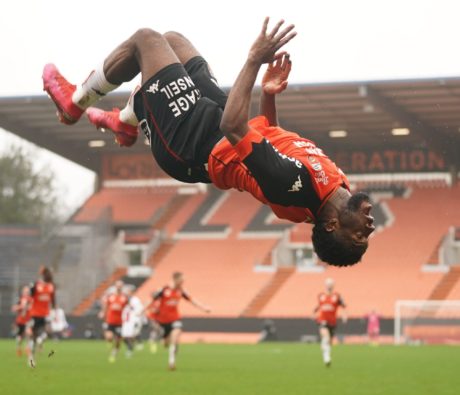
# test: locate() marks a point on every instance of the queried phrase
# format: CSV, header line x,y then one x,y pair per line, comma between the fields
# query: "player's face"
x,y
119,286
356,220
178,281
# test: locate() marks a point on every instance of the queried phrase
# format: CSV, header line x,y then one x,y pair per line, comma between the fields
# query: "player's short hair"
x,y
177,275
335,249
46,274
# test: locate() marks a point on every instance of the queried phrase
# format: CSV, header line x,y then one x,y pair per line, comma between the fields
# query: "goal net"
x,y
427,322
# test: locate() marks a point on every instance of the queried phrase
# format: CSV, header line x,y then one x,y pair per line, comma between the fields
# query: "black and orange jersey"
x,y
168,307
114,305
328,304
23,310
42,298
279,168
151,312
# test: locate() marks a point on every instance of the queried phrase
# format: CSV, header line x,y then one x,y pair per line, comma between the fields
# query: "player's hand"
x,y
100,315
264,49
275,79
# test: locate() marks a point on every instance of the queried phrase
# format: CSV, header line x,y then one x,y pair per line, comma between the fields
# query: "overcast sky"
x,y
337,40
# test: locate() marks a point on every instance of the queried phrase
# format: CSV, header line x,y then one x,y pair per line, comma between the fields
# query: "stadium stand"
x,y
391,269
455,291
206,236
22,251
236,256
447,283
97,293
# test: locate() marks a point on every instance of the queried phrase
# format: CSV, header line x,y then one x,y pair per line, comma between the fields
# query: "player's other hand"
x,y
100,315
264,49
275,79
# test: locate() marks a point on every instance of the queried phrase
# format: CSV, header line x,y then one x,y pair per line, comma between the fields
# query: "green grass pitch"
x,y
81,368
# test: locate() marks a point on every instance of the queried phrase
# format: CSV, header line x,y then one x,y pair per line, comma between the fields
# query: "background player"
x,y
132,319
22,310
373,328
185,117
43,300
326,317
168,314
112,307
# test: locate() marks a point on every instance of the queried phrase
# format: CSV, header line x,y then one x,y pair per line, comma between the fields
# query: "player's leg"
x,y
197,67
116,343
174,347
36,330
146,51
108,336
45,331
129,342
325,344
112,120
19,338
154,336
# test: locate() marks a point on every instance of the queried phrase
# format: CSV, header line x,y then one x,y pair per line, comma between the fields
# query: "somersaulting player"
x,y
198,134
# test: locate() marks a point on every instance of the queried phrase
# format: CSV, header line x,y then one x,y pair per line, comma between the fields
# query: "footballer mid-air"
x,y
198,134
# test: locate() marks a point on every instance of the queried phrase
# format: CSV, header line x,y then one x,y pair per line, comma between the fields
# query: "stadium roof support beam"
x,y
449,149
53,144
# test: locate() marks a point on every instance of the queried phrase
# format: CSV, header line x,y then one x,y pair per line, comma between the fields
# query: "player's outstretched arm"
x,y
235,118
344,315
102,312
200,306
275,81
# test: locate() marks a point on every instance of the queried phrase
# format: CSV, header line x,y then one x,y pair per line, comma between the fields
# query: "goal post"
x,y
427,322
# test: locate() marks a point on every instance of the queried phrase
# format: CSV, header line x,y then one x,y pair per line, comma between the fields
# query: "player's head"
x,y
129,290
119,286
342,239
178,279
329,283
46,274
25,291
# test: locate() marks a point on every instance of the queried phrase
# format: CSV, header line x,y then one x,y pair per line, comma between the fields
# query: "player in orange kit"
x,y
42,301
111,312
198,134
326,316
22,310
168,315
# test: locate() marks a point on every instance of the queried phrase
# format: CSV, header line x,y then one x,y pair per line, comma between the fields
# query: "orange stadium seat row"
x,y
219,257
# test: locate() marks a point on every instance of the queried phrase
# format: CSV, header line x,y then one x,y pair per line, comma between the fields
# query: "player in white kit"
x,y
132,317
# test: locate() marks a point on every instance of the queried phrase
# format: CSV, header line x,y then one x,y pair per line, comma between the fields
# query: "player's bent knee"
x,y
174,37
144,34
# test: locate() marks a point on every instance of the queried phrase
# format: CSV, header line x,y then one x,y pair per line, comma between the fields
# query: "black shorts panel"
x,y
169,326
181,124
38,324
115,329
330,328
20,329
204,79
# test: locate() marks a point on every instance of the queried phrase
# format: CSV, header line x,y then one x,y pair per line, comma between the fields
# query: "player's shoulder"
x,y
336,297
166,291
110,298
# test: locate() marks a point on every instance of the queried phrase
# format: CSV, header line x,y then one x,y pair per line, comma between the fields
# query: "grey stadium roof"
x,y
368,111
